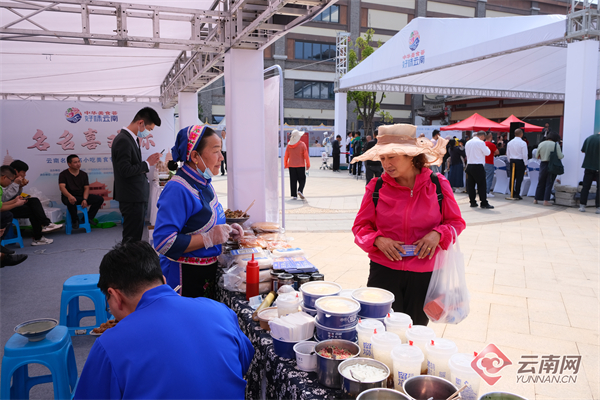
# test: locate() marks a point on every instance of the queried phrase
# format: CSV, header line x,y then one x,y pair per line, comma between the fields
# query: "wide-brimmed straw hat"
x,y
402,139
295,136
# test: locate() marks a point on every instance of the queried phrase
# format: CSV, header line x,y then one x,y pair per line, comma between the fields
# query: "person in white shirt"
x,y
516,151
224,152
476,151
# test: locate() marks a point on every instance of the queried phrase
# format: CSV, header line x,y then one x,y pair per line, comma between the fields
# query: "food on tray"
x,y
337,304
277,245
365,373
252,241
259,227
235,214
335,352
111,323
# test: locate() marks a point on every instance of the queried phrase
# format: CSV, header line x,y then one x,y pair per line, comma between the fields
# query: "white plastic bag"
x,y
447,299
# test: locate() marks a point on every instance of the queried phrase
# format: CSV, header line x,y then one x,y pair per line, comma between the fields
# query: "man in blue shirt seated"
x,y
164,346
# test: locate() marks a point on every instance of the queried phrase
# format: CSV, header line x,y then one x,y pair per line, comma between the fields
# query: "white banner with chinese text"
x,y
44,133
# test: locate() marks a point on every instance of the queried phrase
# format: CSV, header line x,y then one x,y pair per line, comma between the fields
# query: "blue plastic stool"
x,y
70,314
85,224
12,238
54,352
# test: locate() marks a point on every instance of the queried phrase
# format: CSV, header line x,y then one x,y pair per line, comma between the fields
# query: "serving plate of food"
x,y
236,217
111,323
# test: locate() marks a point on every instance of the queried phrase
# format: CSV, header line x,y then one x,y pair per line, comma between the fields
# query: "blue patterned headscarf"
x,y
187,140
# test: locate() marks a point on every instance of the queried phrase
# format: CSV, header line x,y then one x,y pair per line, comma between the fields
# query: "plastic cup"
x,y
305,360
407,361
365,329
288,304
382,344
439,352
398,323
420,335
462,373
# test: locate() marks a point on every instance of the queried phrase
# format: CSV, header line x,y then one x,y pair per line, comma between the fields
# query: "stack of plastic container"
x,y
336,318
375,303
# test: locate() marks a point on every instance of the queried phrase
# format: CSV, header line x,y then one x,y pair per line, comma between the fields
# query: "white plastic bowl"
x,y
306,362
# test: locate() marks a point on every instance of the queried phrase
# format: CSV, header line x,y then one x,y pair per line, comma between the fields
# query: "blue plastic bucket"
x,y
374,302
312,291
337,312
284,349
325,333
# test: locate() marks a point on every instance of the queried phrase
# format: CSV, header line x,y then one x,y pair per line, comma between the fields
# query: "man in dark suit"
x,y
131,184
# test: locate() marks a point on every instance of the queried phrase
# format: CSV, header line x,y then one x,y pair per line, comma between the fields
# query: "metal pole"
x,y
282,139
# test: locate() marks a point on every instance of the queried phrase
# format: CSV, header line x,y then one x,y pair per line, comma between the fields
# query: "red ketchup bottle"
x,y
252,278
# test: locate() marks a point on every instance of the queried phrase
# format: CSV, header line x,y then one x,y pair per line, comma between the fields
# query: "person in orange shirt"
x,y
297,160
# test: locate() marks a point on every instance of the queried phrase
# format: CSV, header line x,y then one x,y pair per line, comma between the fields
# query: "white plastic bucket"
x,y
420,335
462,373
365,329
398,323
306,361
407,361
439,352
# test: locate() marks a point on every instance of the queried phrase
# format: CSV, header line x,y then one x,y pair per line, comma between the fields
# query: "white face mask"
x,y
207,174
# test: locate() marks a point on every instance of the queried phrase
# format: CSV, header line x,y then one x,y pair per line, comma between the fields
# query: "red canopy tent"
x,y
476,123
528,127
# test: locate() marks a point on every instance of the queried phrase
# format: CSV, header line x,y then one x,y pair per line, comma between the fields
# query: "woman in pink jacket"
x,y
407,213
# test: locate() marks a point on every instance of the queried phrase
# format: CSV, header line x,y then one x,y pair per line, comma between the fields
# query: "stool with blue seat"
x,y
55,352
85,224
13,237
82,286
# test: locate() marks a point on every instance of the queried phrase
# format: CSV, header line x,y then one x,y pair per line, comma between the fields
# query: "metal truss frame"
x,y
250,24
341,59
583,24
451,91
84,97
245,24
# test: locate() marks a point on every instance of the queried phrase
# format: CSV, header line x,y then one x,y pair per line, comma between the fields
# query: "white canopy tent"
x,y
511,57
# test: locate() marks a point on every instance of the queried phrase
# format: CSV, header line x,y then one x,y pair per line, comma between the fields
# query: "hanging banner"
x,y
44,133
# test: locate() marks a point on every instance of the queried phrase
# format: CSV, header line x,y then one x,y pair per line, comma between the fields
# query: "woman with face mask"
x,y
190,222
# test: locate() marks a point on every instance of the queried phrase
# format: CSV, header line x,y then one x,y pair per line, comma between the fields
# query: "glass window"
x,y
306,91
326,15
324,90
316,54
313,51
298,85
335,14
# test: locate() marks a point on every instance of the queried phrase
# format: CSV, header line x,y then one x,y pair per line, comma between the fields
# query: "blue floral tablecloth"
x,y
284,380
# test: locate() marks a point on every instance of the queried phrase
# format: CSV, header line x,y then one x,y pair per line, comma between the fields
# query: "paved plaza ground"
x,y
532,272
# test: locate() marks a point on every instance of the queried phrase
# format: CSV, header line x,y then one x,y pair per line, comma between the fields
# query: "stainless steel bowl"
x,y
327,368
351,386
501,396
382,394
423,387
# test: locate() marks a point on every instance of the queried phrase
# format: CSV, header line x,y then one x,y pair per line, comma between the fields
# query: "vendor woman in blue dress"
x,y
190,223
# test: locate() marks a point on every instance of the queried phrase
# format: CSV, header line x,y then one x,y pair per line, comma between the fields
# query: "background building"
x,y
306,55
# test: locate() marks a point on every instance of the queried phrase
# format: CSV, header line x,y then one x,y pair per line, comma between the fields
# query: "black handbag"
x,y
555,166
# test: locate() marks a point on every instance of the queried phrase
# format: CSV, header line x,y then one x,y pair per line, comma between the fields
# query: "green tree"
x,y
367,105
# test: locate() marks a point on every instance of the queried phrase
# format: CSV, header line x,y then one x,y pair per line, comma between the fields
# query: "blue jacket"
x,y
188,205
170,347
